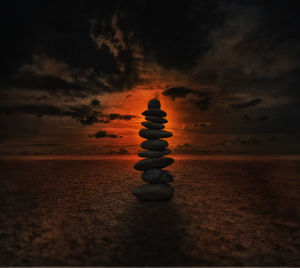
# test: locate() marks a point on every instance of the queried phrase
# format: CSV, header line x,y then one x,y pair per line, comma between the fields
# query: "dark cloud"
x,y
272,139
95,102
245,141
213,54
201,99
103,134
202,124
67,37
44,97
185,148
120,116
183,92
188,149
175,40
251,141
203,104
36,145
49,83
84,114
221,143
121,151
246,104
247,117
263,118
190,34
177,92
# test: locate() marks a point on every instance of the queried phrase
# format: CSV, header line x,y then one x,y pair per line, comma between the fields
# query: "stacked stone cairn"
x,y
157,187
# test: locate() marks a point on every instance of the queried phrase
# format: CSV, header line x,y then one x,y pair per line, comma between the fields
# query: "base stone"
x,y
154,192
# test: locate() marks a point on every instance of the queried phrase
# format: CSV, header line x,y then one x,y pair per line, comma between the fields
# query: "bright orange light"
x,y
135,104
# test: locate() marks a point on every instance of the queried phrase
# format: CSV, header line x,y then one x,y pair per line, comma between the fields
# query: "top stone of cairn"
x,y
154,103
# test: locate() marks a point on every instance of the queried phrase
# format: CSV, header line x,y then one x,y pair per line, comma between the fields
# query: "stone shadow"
x,y
150,235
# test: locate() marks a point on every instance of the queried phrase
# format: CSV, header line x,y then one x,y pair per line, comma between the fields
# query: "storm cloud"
x,y
103,134
233,63
246,104
85,114
177,92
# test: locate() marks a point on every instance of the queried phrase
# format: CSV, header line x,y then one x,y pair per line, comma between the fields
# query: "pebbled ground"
x,y
225,212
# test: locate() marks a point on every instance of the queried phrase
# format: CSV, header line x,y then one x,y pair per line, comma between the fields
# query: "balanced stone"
x,y
154,192
154,103
156,175
156,119
154,144
154,154
145,164
166,176
155,112
154,133
152,125
152,175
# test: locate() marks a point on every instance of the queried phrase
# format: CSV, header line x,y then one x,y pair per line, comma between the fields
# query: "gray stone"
x,y
154,133
154,144
152,175
152,125
154,154
166,177
154,192
155,175
145,164
154,103
155,112
156,119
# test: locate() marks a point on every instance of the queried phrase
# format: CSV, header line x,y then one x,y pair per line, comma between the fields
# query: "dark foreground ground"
x,y
82,213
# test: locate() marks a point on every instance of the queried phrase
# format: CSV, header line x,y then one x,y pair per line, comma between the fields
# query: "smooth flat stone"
x,y
154,103
155,112
154,154
156,175
154,192
154,144
166,177
156,119
152,125
154,133
145,164
152,175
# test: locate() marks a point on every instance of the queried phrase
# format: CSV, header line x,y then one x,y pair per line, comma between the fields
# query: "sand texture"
x,y
83,213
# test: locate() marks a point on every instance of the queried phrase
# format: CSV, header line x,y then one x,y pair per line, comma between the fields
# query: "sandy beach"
x,y
225,212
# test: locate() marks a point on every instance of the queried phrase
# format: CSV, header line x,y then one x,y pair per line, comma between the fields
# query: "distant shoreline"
x,y
249,157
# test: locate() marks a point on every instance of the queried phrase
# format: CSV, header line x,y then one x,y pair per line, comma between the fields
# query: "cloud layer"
x,y
226,67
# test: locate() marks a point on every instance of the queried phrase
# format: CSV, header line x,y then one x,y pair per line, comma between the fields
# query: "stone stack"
x,y
155,150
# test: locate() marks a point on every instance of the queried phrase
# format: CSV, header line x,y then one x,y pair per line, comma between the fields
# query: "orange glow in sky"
x,y
134,104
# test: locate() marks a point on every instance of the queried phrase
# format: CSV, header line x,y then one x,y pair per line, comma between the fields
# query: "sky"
x,y
76,75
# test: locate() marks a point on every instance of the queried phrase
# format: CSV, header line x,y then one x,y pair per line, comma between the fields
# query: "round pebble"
x,y
154,133
154,144
154,103
156,119
154,154
152,125
145,164
155,112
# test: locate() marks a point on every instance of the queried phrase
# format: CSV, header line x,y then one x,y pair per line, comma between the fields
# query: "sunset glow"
x,y
224,91
92,174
